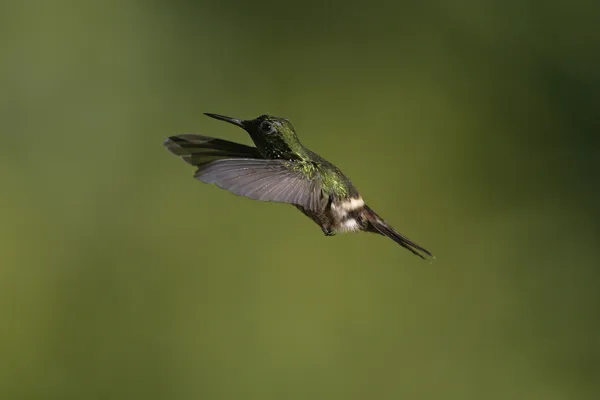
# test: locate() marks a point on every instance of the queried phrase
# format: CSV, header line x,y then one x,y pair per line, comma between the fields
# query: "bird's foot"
x,y
328,232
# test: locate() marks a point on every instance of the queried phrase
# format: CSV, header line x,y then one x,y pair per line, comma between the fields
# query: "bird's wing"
x,y
200,150
265,180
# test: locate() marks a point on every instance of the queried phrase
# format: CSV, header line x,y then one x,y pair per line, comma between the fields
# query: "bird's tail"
x,y
377,225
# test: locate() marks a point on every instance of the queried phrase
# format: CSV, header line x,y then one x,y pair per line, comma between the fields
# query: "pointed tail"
x,y
378,225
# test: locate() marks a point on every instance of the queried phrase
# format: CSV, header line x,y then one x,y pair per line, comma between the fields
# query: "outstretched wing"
x,y
264,180
200,150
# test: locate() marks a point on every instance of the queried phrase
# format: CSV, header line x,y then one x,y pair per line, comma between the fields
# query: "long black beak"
x,y
234,121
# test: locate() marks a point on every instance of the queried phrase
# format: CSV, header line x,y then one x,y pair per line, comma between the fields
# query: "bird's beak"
x,y
234,121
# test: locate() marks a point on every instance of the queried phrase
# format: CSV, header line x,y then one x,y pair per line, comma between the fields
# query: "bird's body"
x,y
281,169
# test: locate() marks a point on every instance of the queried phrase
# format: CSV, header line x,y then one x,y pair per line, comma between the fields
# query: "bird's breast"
x,y
346,214
341,208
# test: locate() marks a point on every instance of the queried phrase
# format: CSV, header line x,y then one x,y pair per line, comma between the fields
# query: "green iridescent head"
x,y
273,136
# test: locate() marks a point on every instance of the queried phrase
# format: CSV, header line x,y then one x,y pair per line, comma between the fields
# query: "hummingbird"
x,y
280,169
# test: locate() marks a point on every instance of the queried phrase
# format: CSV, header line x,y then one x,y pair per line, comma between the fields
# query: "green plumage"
x,y
280,169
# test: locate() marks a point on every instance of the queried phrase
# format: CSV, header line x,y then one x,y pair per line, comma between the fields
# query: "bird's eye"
x,y
266,126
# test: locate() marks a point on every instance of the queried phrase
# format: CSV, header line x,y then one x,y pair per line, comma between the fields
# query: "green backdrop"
x,y
472,127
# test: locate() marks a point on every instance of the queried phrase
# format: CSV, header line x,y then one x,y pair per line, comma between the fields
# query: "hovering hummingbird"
x,y
280,169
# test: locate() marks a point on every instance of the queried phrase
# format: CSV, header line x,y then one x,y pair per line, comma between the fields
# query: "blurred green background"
x,y
472,127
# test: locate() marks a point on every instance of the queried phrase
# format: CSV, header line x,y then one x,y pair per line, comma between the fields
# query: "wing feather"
x,y
264,180
199,150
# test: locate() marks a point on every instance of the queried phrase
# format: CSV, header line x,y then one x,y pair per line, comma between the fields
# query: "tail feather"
x,y
378,225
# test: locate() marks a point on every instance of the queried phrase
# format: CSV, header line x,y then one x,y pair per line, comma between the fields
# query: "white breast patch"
x,y
342,208
349,225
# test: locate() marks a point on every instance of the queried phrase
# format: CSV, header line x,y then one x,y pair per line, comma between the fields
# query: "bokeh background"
x,y
473,127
